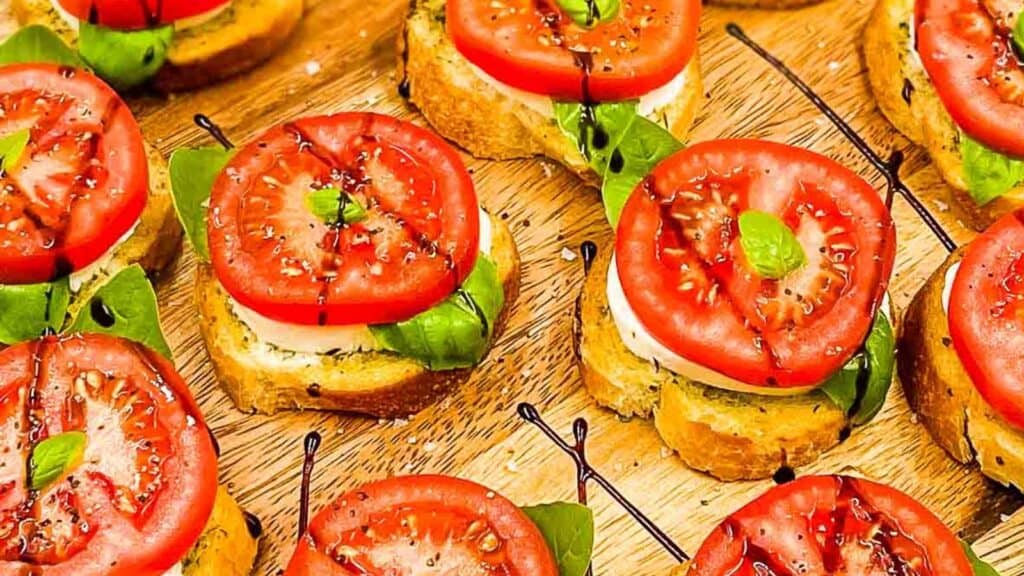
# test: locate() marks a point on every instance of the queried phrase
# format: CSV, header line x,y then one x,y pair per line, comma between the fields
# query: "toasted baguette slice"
x,y
262,378
488,123
729,435
153,243
942,394
906,96
227,547
240,38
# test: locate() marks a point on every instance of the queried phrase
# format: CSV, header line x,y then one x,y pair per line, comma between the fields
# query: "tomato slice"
x,y
535,46
422,524
135,14
967,49
417,244
831,525
683,270
82,181
145,487
986,316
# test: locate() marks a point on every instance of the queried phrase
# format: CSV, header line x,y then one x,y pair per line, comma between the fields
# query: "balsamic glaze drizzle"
x,y
885,168
101,313
585,472
253,524
588,250
204,122
310,445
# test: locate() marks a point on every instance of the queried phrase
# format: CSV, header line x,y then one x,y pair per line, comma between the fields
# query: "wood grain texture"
x,y
343,58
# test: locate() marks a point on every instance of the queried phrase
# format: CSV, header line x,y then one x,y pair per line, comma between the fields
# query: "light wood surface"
x,y
343,58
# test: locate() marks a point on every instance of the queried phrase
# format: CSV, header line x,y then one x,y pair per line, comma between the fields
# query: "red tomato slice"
x,y
134,14
986,316
684,273
146,485
831,525
418,243
81,183
970,58
403,526
535,46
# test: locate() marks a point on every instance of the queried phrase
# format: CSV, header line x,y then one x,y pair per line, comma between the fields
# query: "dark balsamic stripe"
x,y
309,446
883,167
585,472
204,122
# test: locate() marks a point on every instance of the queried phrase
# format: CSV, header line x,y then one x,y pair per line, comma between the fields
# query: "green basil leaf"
x,y
54,457
124,58
841,387
28,310
880,351
34,44
456,333
644,145
12,148
769,245
125,306
622,147
193,172
981,568
589,13
988,173
569,531
860,387
604,132
324,204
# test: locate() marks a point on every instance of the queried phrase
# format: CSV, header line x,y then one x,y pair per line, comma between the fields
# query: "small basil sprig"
x,y
193,172
54,457
988,173
28,310
324,203
456,333
619,144
38,44
126,307
590,12
860,387
12,147
769,245
981,568
125,58
568,530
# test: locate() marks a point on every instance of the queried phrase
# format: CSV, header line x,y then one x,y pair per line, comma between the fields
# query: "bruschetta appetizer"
x,y
833,525
346,264
961,352
107,467
176,44
82,196
744,307
596,86
442,525
947,75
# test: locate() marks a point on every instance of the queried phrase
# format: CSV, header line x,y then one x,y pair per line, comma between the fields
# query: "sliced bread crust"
x,y
942,394
154,242
227,546
244,35
729,435
263,379
477,116
907,98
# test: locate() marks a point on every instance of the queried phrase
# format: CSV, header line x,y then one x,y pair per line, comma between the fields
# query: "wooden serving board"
x,y
342,58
